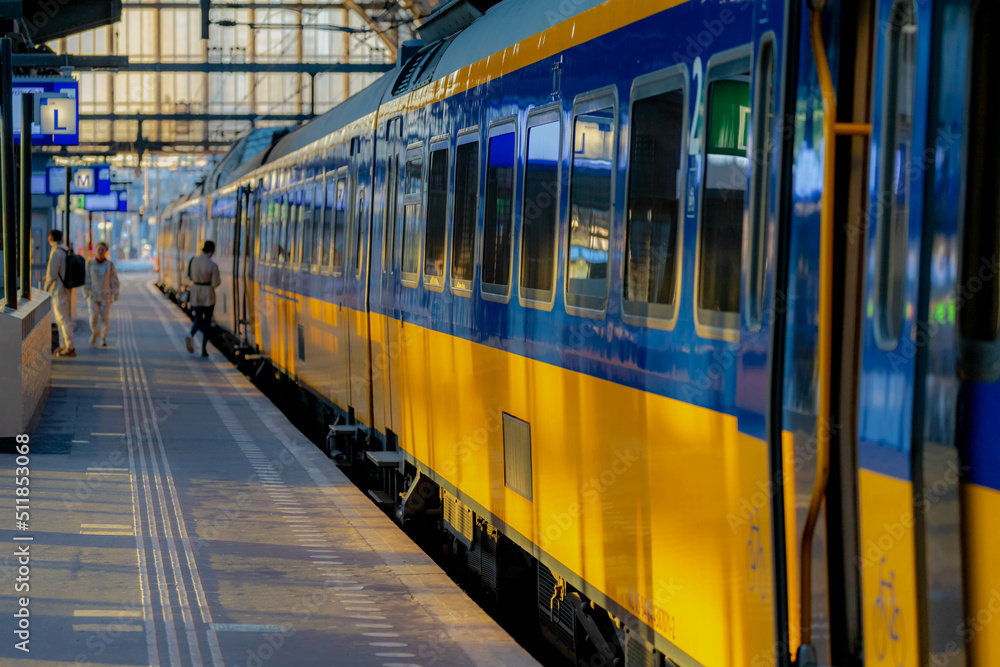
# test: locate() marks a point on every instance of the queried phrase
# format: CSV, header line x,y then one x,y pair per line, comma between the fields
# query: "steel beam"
x,y
55,61
263,68
196,117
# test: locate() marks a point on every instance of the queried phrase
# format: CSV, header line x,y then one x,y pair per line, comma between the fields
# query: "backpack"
x,y
74,270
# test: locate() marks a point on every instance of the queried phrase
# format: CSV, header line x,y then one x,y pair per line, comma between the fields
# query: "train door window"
x,y
298,244
893,215
360,232
655,187
284,239
308,224
499,216
412,197
765,92
435,232
466,210
340,223
724,186
591,200
540,205
321,226
387,217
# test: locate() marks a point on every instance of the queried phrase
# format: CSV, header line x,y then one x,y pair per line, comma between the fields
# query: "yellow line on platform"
x,y
105,532
109,526
98,627
109,407
125,470
110,613
107,434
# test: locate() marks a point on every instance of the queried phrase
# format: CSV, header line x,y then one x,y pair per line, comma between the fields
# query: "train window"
x,y
499,210
893,209
655,187
540,206
979,315
339,223
413,176
724,186
463,224
437,215
765,90
360,232
591,199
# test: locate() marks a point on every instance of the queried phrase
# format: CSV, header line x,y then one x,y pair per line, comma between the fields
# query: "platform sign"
x,y
101,202
57,110
85,181
123,201
38,183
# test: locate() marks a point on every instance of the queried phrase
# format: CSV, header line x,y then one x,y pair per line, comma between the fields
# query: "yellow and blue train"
x,y
683,314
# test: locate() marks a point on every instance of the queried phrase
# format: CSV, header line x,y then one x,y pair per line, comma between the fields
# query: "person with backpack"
x,y
63,275
101,289
204,276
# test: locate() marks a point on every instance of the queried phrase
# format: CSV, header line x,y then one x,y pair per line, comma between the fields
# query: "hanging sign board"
x,y
56,110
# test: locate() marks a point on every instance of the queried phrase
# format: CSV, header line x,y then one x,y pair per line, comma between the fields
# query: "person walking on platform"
x,y
204,275
54,276
101,290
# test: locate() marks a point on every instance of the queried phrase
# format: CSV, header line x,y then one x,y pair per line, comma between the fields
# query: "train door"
x,y
180,247
251,254
236,247
355,284
383,299
969,300
909,550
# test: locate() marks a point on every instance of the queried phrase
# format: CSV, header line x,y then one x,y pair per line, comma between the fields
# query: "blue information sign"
x,y
56,114
115,201
84,181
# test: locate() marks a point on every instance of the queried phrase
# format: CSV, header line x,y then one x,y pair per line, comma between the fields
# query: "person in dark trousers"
x,y
204,275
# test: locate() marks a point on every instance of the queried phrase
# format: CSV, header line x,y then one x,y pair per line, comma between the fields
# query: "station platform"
x,y
177,518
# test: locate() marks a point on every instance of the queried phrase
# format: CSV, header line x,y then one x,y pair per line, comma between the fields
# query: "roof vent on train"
x,y
453,17
419,69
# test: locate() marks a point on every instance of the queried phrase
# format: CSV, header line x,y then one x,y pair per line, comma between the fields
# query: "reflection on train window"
x,y
413,181
540,210
339,225
499,213
654,193
437,214
894,205
723,195
979,318
360,232
463,239
590,214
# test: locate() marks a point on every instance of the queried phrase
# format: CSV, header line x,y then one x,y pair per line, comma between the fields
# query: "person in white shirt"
x,y
204,275
60,294
101,290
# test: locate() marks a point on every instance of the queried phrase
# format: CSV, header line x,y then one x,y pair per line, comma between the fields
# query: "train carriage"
x,y
691,306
